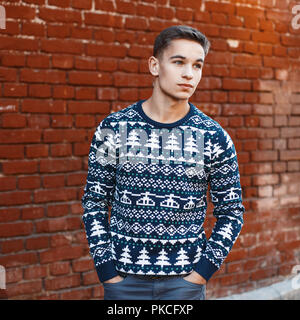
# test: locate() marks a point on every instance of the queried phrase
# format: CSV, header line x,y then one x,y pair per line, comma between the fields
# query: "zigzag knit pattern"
x,y
156,177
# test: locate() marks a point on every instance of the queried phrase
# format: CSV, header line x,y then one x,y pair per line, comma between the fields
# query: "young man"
x,y
153,163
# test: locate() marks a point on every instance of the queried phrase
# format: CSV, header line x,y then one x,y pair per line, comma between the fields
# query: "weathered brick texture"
x,y
65,65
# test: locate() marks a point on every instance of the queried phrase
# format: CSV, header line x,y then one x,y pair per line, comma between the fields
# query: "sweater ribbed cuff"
x,y
106,271
205,268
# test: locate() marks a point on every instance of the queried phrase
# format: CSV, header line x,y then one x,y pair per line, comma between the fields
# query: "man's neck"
x,y
165,110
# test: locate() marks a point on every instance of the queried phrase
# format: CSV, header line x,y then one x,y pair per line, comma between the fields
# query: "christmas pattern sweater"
x,y
155,178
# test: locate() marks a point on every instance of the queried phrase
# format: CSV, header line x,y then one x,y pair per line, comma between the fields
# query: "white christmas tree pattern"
x,y
143,258
182,258
162,259
97,229
226,231
126,256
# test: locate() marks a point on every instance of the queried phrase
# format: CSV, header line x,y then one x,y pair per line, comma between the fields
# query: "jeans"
x,y
173,288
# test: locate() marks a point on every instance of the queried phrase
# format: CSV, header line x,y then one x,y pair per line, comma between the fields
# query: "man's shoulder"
x,y
206,121
124,114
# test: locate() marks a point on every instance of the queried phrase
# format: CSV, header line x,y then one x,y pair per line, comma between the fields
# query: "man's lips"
x,y
185,85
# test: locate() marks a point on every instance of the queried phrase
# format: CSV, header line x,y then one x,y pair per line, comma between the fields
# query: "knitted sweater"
x,y
156,178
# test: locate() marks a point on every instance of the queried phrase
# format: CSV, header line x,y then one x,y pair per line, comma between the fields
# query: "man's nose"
x,y
187,72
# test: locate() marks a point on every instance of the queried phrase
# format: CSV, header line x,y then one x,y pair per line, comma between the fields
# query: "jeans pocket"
x,y
114,284
195,285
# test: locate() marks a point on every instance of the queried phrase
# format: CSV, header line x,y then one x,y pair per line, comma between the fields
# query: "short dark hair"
x,y
163,40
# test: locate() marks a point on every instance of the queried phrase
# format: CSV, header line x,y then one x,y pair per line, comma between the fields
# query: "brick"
x,y
132,80
30,182
60,240
17,167
33,29
63,62
37,151
15,90
59,31
88,107
62,282
58,210
20,259
60,3
53,181
9,214
82,265
38,61
14,275
106,50
60,254
59,268
62,46
90,278
15,229
148,10
81,33
87,63
76,179
63,92
264,155
82,4
13,60
19,44
266,179
58,224
28,288
86,93
61,150
62,135
106,20
232,109
13,121
42,76
35,272
89,78
7,183
52,195
247,60
58,15
60,165
236,84
289,155
62,121
39,91
12,246
7,74
32,213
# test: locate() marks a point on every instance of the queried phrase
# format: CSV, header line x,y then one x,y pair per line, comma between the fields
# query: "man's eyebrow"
x,y
178,56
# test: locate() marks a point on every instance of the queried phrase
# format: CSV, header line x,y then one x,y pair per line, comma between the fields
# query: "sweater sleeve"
x,y
226,196
97,198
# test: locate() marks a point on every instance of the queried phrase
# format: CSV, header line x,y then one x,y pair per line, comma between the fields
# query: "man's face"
x,y
180,69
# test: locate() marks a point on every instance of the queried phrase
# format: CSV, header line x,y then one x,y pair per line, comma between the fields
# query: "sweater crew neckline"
x,y
162,124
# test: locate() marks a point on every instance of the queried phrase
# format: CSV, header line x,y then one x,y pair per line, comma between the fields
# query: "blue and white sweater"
x,y
155,176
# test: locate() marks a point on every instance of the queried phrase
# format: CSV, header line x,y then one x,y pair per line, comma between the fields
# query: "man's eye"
x,y
178,62
199,66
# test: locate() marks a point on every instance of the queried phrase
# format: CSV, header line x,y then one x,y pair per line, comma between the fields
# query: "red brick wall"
x,y
66,64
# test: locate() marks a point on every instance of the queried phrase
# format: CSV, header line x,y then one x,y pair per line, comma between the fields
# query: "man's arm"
x,y
226,195
98,195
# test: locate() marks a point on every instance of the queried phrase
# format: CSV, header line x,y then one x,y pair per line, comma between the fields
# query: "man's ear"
x,y
153,64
